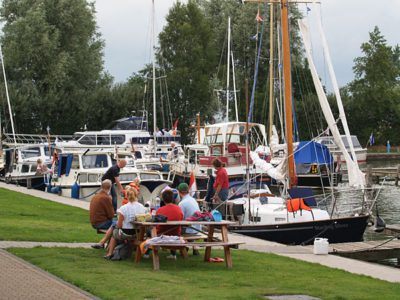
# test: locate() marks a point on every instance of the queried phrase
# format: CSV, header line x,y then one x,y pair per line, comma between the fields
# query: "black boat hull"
x,y
337,230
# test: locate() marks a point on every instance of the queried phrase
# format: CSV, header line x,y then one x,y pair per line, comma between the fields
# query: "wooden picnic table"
x,y
143,227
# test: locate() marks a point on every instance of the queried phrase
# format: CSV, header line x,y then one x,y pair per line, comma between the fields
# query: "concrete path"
x,y
305,253
298,252
23,244
21,280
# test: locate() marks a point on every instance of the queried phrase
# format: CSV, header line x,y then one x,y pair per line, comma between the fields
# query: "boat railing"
x,y
34,138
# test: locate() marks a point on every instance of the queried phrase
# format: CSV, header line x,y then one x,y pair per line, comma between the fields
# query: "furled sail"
x,y
335,86
276,173
356,177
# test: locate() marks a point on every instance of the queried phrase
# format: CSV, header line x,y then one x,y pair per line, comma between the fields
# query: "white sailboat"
x,y
293,216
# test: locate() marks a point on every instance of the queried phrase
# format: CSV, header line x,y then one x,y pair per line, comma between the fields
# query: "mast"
x,y
287,82
154,80
8,97
228,69
271,72
234,87
247,148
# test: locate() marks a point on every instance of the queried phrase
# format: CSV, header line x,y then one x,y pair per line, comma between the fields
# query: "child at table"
x,y
174,213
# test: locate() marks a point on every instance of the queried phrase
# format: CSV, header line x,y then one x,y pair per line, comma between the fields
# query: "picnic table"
x,y
210,242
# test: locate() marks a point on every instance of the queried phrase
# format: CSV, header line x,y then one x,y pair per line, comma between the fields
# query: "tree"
x,y
188,55
374,93
53,59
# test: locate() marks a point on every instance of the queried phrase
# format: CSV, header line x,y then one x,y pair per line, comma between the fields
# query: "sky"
x,y
125,26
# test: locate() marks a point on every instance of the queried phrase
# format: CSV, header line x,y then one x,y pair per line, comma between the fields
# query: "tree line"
x,y
53,56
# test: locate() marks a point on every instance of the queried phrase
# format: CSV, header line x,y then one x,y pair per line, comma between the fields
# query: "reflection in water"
x,y
388,203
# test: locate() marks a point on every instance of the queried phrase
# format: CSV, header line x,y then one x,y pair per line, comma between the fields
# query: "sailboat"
x,y
293,216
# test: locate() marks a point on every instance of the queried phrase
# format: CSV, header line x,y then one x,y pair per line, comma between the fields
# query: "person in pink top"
x,y
221,183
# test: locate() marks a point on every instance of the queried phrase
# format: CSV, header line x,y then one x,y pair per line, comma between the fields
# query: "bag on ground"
x,y
122,251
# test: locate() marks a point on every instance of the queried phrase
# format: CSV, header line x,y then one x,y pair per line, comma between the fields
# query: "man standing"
x,y
113,175
189,206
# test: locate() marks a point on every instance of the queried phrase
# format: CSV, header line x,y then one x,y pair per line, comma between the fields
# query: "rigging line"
x,y
250,116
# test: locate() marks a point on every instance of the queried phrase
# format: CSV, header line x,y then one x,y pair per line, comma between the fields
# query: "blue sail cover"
x,y
310,152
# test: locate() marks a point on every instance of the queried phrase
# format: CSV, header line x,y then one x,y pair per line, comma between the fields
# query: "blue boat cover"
x,y
310,152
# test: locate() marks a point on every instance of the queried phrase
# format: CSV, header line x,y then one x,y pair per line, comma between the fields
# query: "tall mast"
x,y
8,97
271,71
234,87
228,69
287,81
154,80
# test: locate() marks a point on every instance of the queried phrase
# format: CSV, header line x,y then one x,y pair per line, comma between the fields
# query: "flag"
x,y
175,125
371,139
192,184
258,17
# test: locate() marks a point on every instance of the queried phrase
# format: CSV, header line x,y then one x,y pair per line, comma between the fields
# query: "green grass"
x,y
27,218
253,275
23,217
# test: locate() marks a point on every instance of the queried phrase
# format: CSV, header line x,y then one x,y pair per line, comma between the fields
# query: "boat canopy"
x,y
310,152
130,123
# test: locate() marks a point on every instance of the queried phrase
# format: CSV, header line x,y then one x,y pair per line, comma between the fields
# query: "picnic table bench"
x,y
210,242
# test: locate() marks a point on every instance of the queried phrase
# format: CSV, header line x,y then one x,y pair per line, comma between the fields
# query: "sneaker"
x,y
171,257
146,256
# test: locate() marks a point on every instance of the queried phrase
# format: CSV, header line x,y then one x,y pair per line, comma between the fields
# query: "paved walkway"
x,y
298,252
21,280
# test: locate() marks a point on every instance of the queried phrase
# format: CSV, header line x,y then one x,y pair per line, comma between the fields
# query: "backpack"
x,y
122,251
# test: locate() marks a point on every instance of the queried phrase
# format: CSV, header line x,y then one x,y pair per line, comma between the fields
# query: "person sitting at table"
x,y
101,212
126,215
189,206
174,213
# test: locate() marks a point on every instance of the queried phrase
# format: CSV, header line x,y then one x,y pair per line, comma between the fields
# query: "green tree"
x,y
188,54
374,93
53,59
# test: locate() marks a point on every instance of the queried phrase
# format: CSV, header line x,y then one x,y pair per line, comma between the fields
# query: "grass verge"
x,y
253,275
28,218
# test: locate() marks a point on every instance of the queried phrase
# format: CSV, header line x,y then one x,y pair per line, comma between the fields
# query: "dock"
x,y
376,175
369,250
393,230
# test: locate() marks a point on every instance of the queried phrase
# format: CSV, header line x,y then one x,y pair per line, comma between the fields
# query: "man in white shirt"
x,y
189,206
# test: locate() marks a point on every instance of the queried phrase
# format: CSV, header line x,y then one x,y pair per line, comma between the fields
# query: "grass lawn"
x,y
23,217
253,275
27,218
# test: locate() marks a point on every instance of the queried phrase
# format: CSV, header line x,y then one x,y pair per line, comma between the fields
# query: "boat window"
x,y
355,141
88,140
25,168
103,139
117,139
95,161
149,176
75,162
30,152
93,178
127,177
138,155
83,178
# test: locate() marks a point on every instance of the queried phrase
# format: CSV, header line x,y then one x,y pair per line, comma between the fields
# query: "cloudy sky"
x,y
125,26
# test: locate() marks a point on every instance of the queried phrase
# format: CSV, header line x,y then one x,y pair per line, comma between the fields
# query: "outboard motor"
x,y
379,222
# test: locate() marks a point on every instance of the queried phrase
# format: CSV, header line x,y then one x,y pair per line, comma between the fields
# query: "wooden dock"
x,y
393,230
375,175
369,250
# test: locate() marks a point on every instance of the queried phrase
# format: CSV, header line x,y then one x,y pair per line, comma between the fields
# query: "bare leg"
x,y
107,236
111,246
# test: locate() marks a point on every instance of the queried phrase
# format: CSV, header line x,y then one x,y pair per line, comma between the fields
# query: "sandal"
x,y
108,257
97,246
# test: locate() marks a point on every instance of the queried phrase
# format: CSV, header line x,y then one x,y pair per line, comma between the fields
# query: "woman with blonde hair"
x,y
126,216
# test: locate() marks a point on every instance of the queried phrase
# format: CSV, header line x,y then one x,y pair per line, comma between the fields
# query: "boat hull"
x,y
336,230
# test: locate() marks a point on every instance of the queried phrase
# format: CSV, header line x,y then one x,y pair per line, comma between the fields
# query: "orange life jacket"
x,y
296,204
